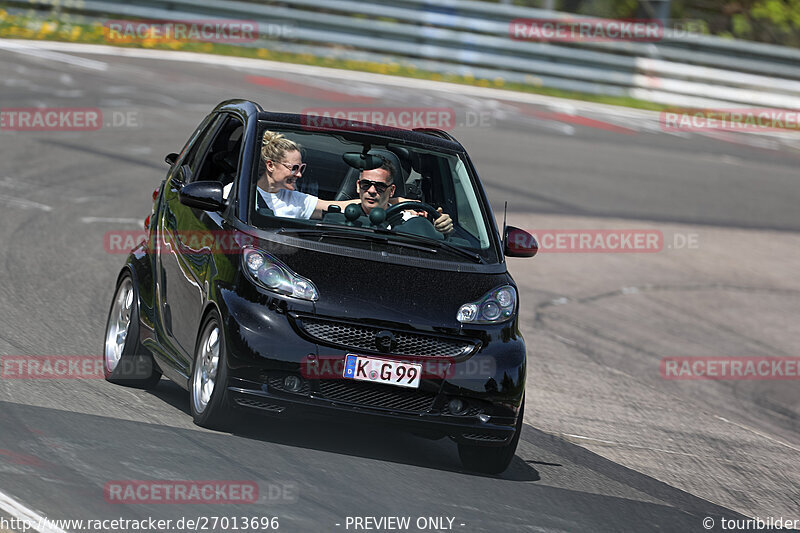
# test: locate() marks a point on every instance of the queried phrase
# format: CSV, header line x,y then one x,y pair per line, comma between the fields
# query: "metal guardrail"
x,y
468,37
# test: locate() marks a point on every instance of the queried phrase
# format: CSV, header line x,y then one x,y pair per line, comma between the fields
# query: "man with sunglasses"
x,y
375,189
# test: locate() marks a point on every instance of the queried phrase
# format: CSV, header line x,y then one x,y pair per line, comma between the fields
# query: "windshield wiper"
x,y
385,236
356,236
444,245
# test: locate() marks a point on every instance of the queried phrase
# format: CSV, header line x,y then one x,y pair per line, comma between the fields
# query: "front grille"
x,y
362,338
484,437
376,395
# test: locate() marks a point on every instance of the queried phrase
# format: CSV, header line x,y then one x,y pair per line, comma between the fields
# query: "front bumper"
x,y
434,421
268,341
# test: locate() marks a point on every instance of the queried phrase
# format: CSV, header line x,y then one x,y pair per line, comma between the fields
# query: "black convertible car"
x,y
380,316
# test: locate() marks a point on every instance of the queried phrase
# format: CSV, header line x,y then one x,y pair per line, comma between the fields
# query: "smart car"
x,y
380,318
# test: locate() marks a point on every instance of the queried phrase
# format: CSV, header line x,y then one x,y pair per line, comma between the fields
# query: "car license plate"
x,y
363,368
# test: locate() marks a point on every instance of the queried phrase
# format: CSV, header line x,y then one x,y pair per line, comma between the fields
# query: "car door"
x,y
183,254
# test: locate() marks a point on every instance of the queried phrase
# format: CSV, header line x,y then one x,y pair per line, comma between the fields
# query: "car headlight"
x,y
495,306
273,275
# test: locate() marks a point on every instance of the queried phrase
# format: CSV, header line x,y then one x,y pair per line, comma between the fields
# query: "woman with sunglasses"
x,y
283,166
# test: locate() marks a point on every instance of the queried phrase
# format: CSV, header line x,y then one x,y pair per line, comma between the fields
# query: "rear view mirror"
x,y
362,161
205,195
519,243
171,158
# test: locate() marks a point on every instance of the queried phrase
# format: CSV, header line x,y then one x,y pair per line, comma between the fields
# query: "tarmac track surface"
x,y
608,445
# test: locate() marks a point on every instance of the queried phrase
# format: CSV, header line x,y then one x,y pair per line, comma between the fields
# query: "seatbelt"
x,y
261,206
414,188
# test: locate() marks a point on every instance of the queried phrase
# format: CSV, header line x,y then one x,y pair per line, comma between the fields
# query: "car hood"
x,y
367,290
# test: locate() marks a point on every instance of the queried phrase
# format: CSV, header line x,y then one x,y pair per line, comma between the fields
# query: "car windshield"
x,y
434,178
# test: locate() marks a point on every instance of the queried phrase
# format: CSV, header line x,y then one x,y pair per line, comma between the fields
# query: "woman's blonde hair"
x,y
275,146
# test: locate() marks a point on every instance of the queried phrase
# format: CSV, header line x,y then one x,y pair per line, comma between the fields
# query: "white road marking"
x,y
562,107
740,426
612,443
68,93
119,89
32,518
565,340
560,127
17,82
374,91
6,181
760,434
112,220
166,100
730,160
121,102
24,204
744,140
588,438
37,51
139,150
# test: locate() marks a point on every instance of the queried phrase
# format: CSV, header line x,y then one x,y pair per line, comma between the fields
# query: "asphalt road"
x,y
609,445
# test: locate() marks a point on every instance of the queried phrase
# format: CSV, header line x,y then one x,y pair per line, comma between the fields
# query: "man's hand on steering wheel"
x,y
443,224
441,221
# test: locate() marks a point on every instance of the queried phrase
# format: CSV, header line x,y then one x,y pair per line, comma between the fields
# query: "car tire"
x,y
491,459
125,360
209,400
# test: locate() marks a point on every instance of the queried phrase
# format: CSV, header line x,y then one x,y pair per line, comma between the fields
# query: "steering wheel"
x,y
394,213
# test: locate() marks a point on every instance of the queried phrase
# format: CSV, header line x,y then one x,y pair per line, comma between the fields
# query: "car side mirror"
x,y
171,158
205,195
519,243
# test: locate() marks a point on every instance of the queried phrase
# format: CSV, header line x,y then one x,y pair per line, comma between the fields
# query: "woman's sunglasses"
x,y
294,169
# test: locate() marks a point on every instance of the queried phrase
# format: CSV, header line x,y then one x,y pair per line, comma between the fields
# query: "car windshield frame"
x,y
491,254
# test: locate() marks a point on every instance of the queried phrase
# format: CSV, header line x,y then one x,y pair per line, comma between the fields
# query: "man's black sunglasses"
x,y
379,185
